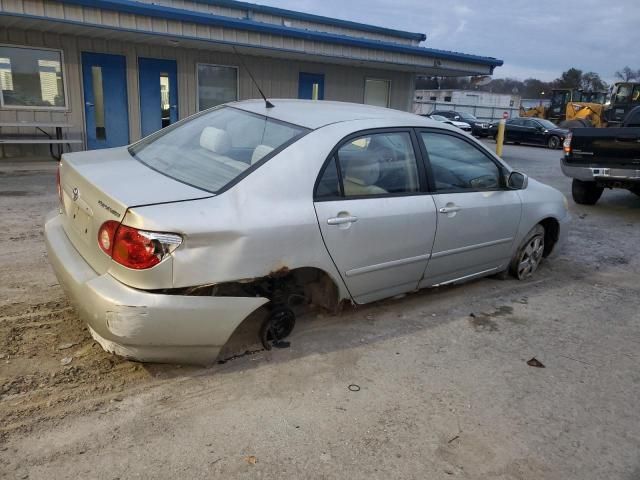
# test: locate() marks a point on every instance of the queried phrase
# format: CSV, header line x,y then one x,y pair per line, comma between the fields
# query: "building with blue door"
x,y
115,71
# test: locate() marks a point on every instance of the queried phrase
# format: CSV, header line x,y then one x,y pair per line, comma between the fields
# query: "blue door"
x,y
106,111
306,81
158,94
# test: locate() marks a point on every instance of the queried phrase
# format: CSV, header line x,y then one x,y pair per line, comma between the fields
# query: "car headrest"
x,y
215,140
364,170
259,152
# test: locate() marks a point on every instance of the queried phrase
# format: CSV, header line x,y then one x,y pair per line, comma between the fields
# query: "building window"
x,y
31,78
447,99
217,84
376,92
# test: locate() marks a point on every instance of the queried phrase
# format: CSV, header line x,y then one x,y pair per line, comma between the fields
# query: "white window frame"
x,y
215,65
364,90
66,107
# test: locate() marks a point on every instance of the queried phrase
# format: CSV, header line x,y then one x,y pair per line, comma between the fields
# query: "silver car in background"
x,y
461,125
167,246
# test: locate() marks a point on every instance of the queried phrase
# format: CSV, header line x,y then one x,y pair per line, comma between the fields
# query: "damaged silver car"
x,y
165,247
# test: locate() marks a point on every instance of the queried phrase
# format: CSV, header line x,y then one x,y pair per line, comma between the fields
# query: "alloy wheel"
x,y
530,257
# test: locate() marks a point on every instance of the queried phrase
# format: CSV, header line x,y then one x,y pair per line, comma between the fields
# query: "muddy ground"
x,y
444,385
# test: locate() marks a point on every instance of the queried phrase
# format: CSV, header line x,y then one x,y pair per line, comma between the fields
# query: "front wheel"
x,y
529,254
553,143
585,193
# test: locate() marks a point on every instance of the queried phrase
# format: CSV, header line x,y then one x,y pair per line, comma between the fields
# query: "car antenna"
x,y
267,103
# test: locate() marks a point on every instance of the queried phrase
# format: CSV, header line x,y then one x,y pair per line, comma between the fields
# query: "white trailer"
x,y
484,105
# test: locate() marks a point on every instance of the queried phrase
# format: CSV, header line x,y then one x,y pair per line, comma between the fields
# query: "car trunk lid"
x,y
101,185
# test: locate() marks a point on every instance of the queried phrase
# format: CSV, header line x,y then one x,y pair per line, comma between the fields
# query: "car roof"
x,y
314,114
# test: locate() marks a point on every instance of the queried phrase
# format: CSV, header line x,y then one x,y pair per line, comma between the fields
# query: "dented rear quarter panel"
x,y
264,223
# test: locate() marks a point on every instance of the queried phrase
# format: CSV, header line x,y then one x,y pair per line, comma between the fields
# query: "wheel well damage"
x,y
291,287
551,234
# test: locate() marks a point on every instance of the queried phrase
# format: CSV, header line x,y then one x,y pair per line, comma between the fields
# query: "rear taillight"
x,y
566,146
133,248
107,235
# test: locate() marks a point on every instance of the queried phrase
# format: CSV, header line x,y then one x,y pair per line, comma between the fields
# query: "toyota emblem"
x,y
76,193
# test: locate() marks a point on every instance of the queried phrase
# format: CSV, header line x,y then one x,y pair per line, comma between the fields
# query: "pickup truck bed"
x,y
599,158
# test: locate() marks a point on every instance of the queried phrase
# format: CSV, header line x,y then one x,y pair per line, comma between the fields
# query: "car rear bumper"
x,y
480,131
143,326
600,174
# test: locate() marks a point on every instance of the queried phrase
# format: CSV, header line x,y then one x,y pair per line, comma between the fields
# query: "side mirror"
x,y
517,181
456,118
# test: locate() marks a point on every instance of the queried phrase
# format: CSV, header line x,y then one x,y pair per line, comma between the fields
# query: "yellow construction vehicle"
x,y
584,114
572,108
623,98
539,111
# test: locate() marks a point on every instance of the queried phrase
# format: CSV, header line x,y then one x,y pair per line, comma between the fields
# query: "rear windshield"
x,y
211,150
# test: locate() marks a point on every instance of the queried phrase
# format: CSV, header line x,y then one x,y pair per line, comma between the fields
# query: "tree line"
x,y
531,87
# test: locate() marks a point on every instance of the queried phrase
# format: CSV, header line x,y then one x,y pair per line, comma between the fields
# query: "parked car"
x,y
534,131
165,247
461,125
479,128
599,158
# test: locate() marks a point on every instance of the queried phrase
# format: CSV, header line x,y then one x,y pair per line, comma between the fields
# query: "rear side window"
x,y
214,148
329,183
456,165
372,165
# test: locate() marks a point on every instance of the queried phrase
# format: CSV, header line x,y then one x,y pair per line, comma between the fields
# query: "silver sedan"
x,y
165,247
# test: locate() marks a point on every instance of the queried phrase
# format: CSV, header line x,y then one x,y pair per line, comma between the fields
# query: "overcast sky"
x,y
535,38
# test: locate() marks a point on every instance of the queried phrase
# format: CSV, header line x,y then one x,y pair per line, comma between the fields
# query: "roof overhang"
x,y
309,17
303,45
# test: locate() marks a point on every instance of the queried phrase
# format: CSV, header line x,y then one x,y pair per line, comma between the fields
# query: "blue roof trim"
x,y
169,13
310,17
187,37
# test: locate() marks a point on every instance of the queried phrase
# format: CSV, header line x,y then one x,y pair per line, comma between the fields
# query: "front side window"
x,y
456,165
374,164
211,150
31,77
216,85
623,95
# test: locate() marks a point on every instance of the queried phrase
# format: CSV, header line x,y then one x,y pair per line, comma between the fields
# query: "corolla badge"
x,y
76,193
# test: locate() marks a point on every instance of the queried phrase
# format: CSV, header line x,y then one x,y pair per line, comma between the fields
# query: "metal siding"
x,y
33,7
280,20
208,32
279,77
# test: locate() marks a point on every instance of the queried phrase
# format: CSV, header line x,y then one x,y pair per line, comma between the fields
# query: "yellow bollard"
x,y
500,137
314,92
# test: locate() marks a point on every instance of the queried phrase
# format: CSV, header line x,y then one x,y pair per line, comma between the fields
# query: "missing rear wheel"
x,y
279,325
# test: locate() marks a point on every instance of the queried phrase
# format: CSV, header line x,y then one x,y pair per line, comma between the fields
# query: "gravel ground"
x,y
442,393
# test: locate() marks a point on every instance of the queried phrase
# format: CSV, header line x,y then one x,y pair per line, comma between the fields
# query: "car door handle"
x,y
341,220
451,209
